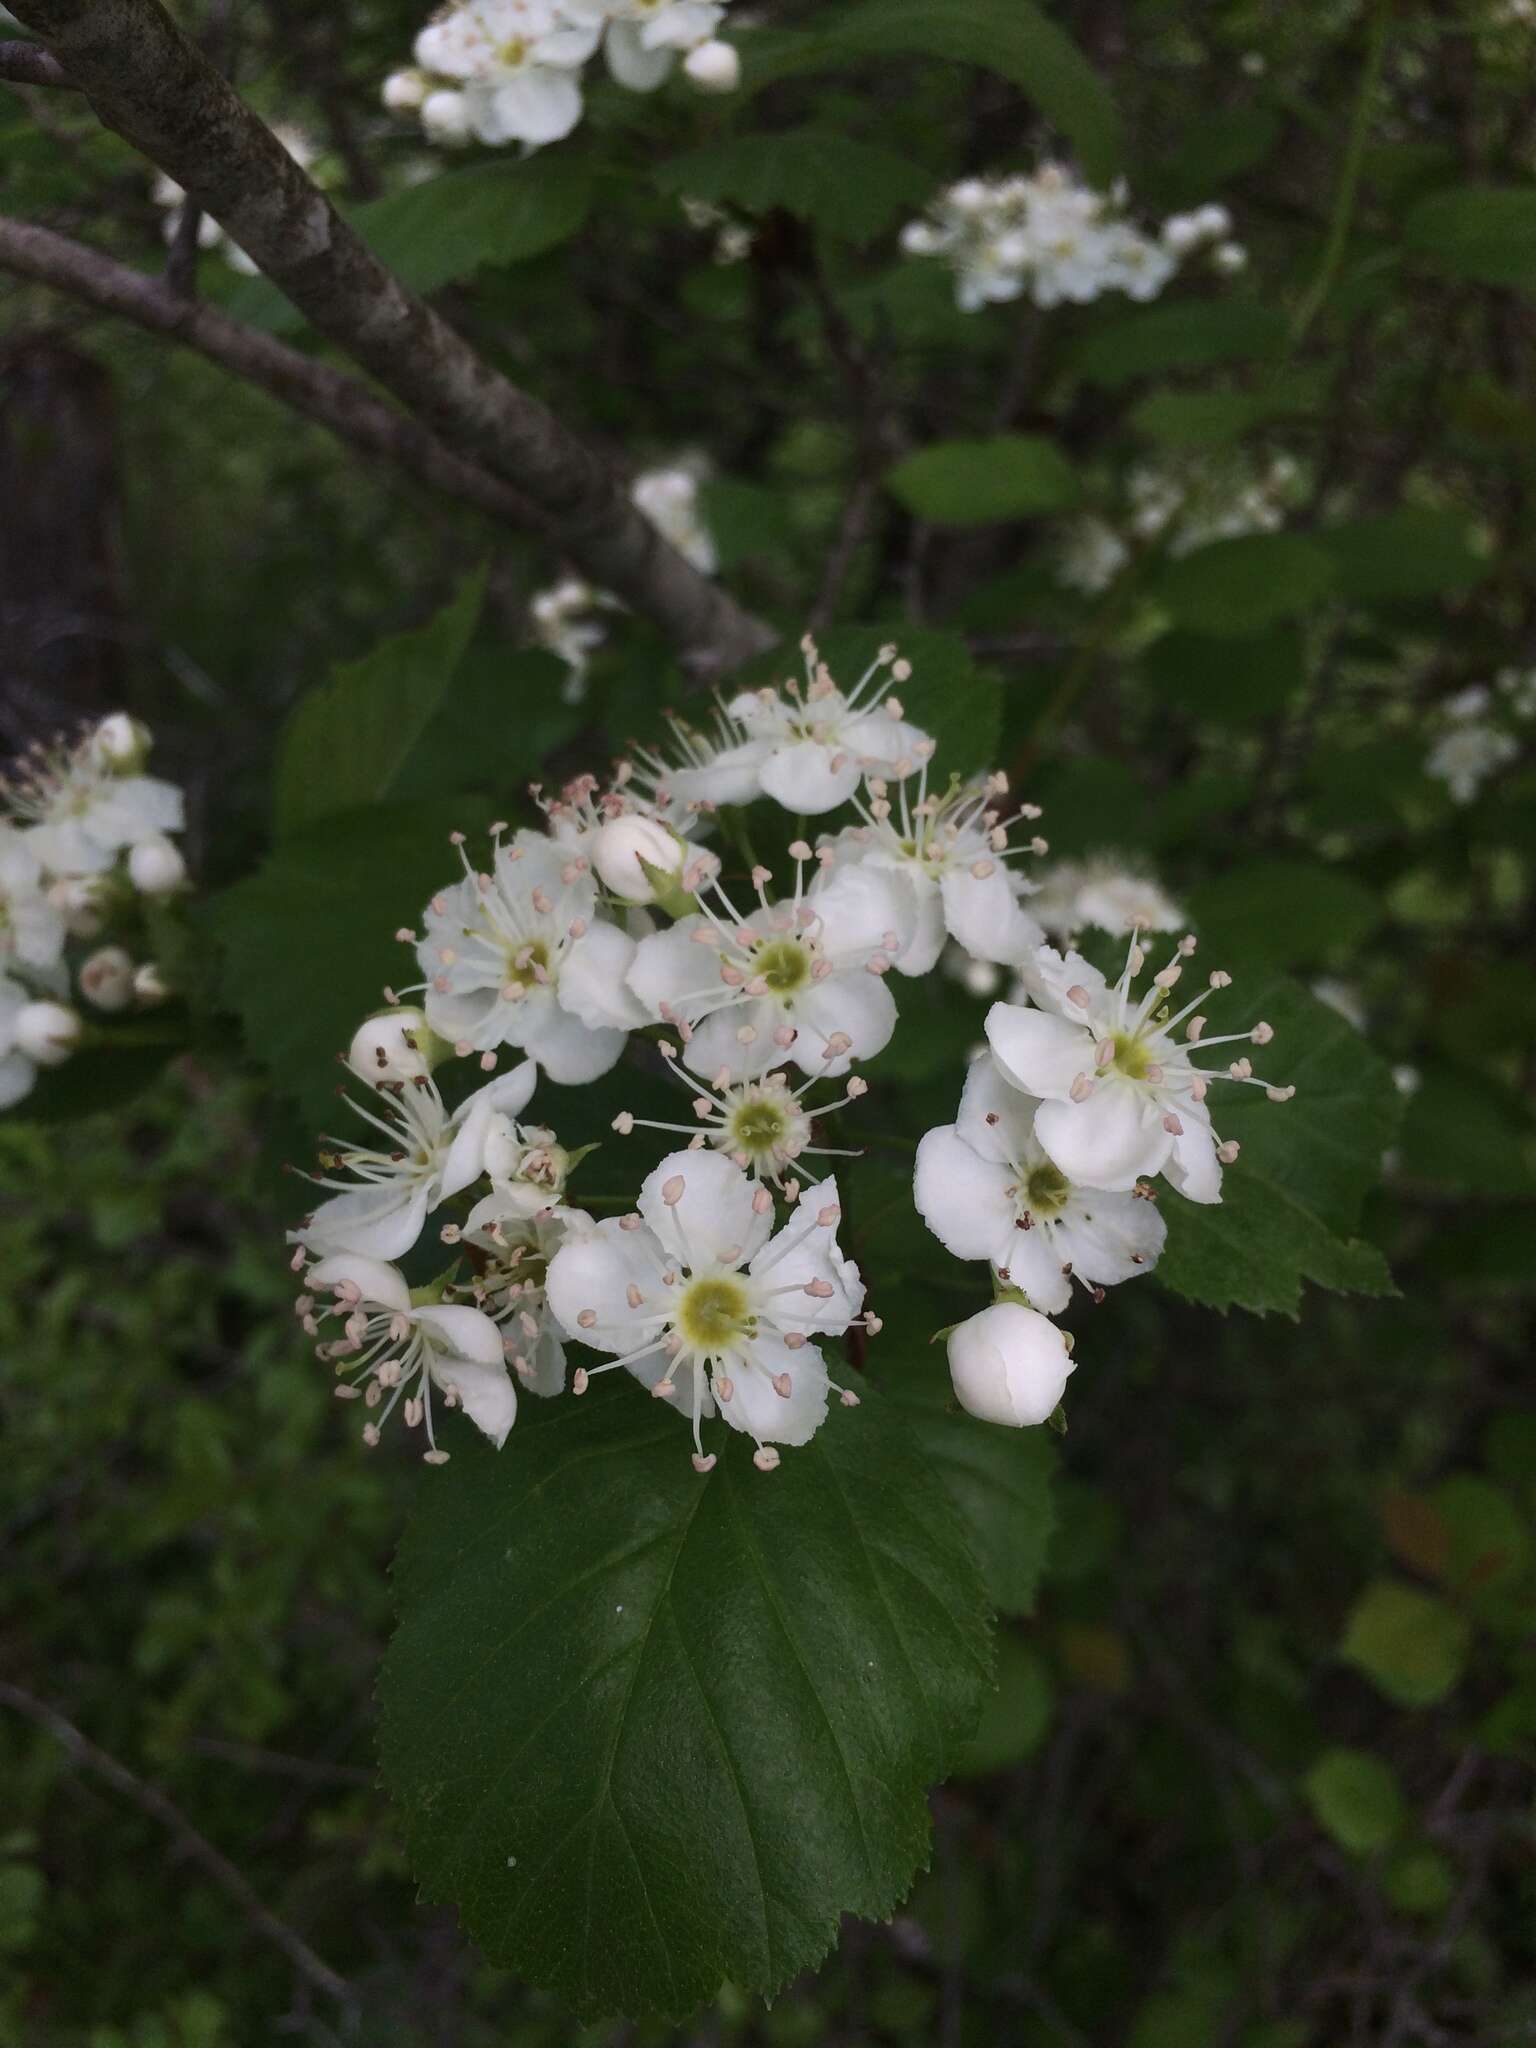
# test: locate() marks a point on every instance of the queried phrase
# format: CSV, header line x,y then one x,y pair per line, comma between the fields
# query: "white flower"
x,y
821,743
714,66
394,1045
119,744
527,1167
514,65
83,815
643,36
802,980
764,1125
82,902
405,92
1010,1365
150,987
624,847
509,1286
155,866
106,978
427,1154
1119,1098
31,924
389,1346
1517,686
701,768
987,1190
1092,555
1103,894
446,118
516,957
696,1299
18,1070
669,498
1464,757
46,1033
566,620
953,852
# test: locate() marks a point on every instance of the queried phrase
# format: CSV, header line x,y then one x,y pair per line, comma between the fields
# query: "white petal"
x,y
373,1280
734,776
507,1095
1098,1234
928,928
1041,1054
962,1198
382,1221
462,1332
479,1019
135,807
17,1074
1109,1141
859,906
592,980
595,1273
564,1047
631,63
758,1410
710,1214
804,779
1192,1165
715,1042
669,969
1049,974
540,106
995,1118
983,913
859,1004
1033,1264
807,1250
883,742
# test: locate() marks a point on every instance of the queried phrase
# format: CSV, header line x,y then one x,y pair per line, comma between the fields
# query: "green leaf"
x,y
1180,337
1483,232
1411,1645
1403,555
1255,1247
1463,1129
1000,1479
348,740
449,227
1198,419
308,939
1013,38
1015,1716
648,1729
1236,587
854,189
1282,912
1356,1798
1225,682
980,483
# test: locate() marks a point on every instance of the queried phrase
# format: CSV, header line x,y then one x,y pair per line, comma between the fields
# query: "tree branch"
x,y
149,1799
30,64
349,409
147,82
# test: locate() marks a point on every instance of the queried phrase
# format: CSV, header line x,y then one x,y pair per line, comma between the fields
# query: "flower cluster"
x,y
84,844
500,71
1475,740
1054,237
567,616
1179,508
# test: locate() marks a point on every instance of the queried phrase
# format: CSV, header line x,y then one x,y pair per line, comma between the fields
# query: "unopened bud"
x,y
714,66
1009,1364
625,847
119,744
150,987
106,979
47,1033
394,1045
155,867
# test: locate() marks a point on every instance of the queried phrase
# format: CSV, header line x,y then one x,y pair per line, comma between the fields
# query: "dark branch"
x,y
350,410
30,64
147,82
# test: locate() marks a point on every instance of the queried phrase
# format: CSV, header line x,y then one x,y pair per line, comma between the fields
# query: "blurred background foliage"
x,y
1258,1772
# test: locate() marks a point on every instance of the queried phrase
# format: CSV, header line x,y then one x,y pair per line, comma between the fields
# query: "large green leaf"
x,y
1407,554
1283,912
349,739
1157,339
1234,588
430,234
979,483
854,189
1014,38
1483,232
308,939
1413,1646
1292,1200
650,1730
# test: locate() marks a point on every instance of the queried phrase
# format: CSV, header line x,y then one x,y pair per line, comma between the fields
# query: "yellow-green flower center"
x,y
784,964
1132,1059
532,956
714,1313
758,1126
1046,1190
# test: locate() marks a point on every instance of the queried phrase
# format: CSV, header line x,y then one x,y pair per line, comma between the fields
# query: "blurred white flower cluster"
x,y
1179,507
1053,237
502,71
171,199
1475,739
84,845
567,615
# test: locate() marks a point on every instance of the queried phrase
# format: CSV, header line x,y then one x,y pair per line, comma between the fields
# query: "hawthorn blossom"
x,y
1120,1099
802,980
1104,895
566,620
764,1125
953,852
621,835
34,1033
987,1189
1091,554
1009,1364
32,926
82,812
695,1297
821,743
507,70
699,767
428,1154
669,498
644,37
1467,753
516,956
509,1283
390,1346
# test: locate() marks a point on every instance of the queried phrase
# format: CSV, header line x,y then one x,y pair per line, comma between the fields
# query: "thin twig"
x,y
150,1800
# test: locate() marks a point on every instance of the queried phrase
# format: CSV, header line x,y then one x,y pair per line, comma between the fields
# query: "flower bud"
x,y
1213,221
620,847
47,1033
394,1045
1181,233
82,902
155,866
150,987
1009,1365
1230,257
119,744
405,91
445,116
714,66
106,979
971,196
528,1170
